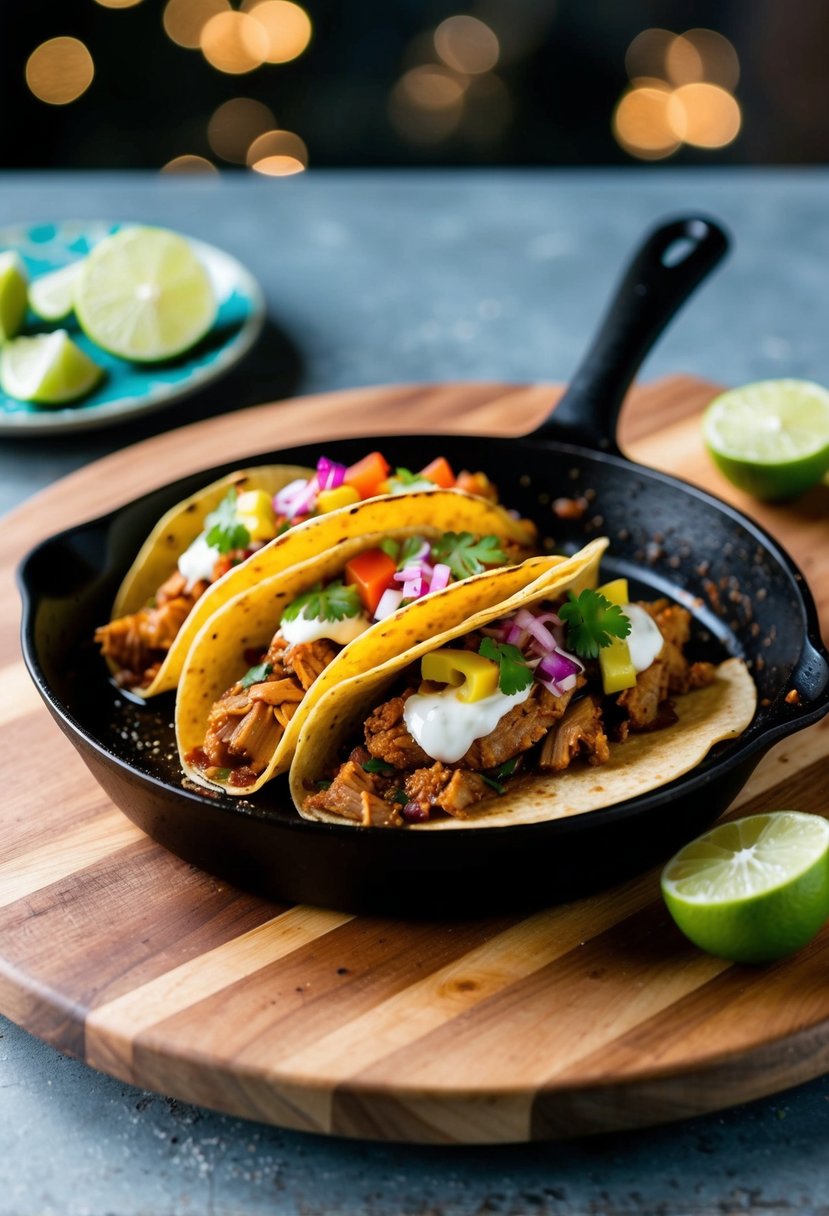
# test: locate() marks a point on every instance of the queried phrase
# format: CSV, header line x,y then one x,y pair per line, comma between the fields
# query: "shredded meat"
x,y
354,794
518,730
462,792
646,706
306,660
388,739
137,644
580,732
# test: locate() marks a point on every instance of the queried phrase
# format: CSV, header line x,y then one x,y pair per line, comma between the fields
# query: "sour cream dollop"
x,y
446,727
311,629
196,563
644,640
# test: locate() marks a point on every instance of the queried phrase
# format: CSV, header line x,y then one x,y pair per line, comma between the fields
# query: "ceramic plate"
x,y
130,389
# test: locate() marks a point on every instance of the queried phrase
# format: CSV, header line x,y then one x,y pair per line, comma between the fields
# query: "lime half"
x,y
754,889
770,438
12,295
142,294
52,296
48,369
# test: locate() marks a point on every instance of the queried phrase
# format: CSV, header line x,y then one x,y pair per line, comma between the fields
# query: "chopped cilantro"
x,y
224,532
592,620
404,481
496,785
255,675
466,554
221,774
400,796
515,675
506,769
373,765
323,785
335,602
390,548
411,546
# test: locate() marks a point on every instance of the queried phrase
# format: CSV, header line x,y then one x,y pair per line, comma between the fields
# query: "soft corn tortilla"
x,y
248,622
444,510
643,762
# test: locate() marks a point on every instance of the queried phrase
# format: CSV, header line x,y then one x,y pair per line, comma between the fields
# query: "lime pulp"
x,y
47,369
52,296
13,298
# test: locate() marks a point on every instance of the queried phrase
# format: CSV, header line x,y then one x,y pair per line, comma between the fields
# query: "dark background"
x,y
559,78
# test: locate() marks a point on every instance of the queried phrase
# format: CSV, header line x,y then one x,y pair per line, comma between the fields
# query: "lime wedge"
x,y
48,369
142,294
12,294
754,889
52,296
770,438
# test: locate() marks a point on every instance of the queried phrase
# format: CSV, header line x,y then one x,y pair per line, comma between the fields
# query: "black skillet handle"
x,y
669,264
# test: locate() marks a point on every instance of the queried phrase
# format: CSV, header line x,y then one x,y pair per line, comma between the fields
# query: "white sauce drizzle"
x,y
310,629
197,562
446,727
644,640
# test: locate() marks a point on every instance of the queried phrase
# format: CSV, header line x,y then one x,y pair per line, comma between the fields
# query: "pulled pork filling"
x,y
137,644
390,781
246,724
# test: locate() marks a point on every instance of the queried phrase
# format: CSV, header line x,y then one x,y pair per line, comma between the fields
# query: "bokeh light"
x,y
235,125
467,45
278,154
59,70
234,43
287,27
426,103
647,53
188,164
184,20
118,3
704,115
641,123
702,55
487,110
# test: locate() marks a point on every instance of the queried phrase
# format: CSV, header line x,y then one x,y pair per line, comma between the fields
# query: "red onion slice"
x,y
440,577
389,603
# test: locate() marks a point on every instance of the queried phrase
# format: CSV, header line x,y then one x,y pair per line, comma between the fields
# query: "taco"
x,y
194,559
257,667
559,700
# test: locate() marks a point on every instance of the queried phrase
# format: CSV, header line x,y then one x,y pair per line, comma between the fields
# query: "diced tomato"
x,y
371,572
365,476
440,472
476,483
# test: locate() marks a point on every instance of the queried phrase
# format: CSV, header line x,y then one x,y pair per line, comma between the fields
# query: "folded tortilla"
x,y
642,763
444,510
248,621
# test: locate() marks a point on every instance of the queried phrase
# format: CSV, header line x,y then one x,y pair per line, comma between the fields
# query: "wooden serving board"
x,y
584,1017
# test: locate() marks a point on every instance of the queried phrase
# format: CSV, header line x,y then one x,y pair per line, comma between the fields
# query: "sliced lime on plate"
x,y
48,369
754,889
770,438
143,294
13,281
52,296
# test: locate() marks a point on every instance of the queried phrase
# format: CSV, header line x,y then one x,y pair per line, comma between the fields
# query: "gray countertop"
x,y
378,277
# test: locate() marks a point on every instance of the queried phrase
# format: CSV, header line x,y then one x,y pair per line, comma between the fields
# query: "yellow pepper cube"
x,y
618,672
254,512
332,500
473,675
615,591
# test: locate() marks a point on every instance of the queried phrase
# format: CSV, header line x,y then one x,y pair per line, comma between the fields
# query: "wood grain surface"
x,y
583,1017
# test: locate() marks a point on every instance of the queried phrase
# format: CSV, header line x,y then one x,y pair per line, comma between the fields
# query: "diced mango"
x,y
255,512
473,675
332,500
618,672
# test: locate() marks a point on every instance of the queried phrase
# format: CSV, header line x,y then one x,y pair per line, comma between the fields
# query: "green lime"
x,y
142,294
754,889
48,369
770,438
12,295
52,296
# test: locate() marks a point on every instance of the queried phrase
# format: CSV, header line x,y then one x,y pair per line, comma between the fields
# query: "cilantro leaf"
x,y
400,796
405,480
255,675
374,765
224,532
496,785
592,620
506,769
466,554
390,548
514,675
411,545
334,602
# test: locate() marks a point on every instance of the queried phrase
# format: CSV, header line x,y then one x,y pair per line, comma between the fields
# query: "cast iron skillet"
x,y
746,595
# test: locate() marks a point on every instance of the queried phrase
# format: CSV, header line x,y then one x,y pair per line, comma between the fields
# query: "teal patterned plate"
x,y
130,389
